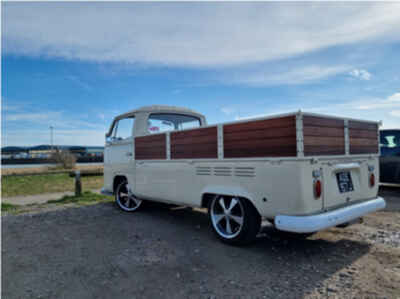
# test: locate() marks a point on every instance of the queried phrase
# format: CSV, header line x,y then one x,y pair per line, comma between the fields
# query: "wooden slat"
x,y
194,147
363,150
363,142
195,144
323,131
316,121
150,147
210,131
257,134
282,122
371,134
328,141
362,125
248,152
194,140
270,142
320,150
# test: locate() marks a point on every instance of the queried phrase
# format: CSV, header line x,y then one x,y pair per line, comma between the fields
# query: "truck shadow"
x,y
274,261
391,194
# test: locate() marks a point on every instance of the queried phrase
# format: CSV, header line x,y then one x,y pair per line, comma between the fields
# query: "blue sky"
x,y
77,65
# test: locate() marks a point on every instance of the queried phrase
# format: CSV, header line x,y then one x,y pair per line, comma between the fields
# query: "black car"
x,y
390,156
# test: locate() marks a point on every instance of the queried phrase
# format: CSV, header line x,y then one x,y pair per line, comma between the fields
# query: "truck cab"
x,y
119,155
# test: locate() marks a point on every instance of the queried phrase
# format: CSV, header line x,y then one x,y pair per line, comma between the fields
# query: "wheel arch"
x,y
210,192
118,179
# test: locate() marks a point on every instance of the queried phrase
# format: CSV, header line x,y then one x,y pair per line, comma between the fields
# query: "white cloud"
x,y
360,74
392,101
395,113
29,137
191,34
300,75
228,110
31,117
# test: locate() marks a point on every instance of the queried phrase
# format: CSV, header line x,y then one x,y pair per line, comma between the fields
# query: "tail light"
x,y
317,189
371,180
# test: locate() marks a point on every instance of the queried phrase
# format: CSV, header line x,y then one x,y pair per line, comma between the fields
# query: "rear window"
x,y
164,122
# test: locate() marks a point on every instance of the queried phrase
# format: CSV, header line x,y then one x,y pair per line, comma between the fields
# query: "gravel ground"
x,y
169,252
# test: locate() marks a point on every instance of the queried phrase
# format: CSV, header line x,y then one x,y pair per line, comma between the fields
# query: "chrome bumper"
x,y
106,192
313,223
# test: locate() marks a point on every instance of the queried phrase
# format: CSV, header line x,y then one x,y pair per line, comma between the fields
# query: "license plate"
x,y
344,182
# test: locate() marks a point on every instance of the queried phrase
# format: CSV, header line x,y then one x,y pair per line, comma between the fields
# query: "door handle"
x,y
129,154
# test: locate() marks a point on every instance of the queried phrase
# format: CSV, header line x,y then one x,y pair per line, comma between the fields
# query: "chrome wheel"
x,y
125,200
227,216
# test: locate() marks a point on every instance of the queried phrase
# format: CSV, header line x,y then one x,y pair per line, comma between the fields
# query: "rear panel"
x,y
323,136
363,137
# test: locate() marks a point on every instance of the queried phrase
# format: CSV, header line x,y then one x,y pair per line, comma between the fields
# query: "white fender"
x,y
230,191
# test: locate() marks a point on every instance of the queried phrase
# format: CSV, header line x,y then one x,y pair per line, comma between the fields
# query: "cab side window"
x,y
123,128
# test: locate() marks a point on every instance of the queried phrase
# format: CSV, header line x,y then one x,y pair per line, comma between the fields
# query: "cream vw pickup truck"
x,y
303,172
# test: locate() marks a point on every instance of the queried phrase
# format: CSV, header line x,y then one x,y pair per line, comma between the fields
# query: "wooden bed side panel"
x,y
262,138
151,147
323,136
199,143
363,137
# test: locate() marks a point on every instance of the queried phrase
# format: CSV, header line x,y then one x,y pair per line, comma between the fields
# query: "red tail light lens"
x,y
317,189
371,180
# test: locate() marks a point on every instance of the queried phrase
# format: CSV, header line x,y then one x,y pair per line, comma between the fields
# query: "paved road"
x,y
38,198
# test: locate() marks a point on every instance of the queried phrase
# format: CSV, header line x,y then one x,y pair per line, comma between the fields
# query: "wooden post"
x,y
78,184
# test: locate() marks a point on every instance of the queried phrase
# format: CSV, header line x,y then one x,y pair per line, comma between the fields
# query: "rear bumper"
x,y
313,223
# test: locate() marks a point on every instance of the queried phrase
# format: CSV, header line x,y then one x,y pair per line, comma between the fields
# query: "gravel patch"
x,y
99,251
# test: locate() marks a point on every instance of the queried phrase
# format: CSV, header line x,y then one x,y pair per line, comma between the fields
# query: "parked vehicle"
x,y
303,172
390,156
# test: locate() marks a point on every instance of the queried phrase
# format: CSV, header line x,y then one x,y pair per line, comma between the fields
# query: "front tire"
x,y
125,200
234,220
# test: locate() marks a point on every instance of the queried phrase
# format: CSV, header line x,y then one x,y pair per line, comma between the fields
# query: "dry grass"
x,y
46,183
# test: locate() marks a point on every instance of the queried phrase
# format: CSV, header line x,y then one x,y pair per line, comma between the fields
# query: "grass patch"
x,y
86,197
8,207
48,183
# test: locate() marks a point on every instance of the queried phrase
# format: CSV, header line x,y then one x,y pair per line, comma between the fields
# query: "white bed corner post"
x,y
299,134
220,140
168,145
346,138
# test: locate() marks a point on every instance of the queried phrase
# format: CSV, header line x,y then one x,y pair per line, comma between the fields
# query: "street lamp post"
x,y
51,137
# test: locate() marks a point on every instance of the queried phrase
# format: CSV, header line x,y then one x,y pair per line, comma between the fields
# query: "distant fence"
x,y
48,161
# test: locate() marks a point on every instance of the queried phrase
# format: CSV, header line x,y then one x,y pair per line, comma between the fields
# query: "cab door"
x,y
118,152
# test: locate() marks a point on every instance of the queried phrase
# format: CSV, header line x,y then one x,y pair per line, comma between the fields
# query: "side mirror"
x,y
110,139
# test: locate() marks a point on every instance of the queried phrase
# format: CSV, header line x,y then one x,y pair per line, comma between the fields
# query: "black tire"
x,y
127,203
249,229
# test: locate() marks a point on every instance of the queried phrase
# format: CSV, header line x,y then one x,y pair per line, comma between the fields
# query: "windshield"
x,y
390,142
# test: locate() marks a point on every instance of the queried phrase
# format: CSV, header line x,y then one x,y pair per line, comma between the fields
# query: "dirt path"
x,y
163,252
39,198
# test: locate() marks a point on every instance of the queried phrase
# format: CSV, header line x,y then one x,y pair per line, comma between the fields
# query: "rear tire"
x,y
234,220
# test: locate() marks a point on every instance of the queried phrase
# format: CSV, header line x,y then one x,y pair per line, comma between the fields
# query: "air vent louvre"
x,y
203,170
245,171
222,171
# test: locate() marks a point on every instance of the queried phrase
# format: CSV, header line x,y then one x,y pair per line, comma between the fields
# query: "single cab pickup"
x,y
303,172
